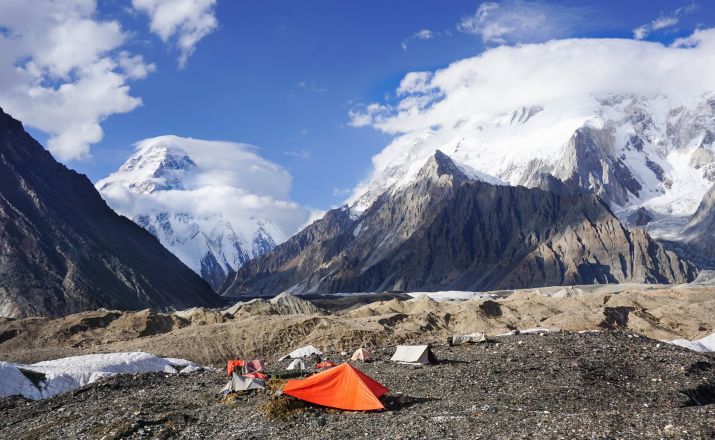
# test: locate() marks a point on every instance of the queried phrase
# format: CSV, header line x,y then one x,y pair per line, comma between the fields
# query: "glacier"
x,y
65,374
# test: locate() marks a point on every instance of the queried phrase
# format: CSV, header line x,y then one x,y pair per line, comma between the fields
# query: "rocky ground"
x,y
269,329
607,384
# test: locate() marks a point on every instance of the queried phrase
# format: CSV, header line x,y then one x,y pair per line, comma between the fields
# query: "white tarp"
x,y
66,374
302,352
241,383
468,338
703,345
530,330
296,364
412,354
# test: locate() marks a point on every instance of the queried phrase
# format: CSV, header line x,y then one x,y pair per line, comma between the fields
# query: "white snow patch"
x,y
704,345
451,295
66,374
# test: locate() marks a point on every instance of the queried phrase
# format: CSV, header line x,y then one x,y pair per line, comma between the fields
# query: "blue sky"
x,y
284,75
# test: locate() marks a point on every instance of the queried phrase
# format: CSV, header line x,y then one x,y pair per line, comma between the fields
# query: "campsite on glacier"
x,y
413,219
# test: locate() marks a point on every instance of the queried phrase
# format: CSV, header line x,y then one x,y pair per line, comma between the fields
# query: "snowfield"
x,y
451,295
61,375
704,345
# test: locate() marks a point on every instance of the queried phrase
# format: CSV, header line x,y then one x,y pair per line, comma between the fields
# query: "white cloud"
x,y
312,86
434,108
60,71
663,21
340,192
424,34
230,178
185,22
516,21
134,65
300,153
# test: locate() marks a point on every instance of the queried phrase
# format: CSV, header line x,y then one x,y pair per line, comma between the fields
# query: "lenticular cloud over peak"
x,y
507,77
500,111
516,113
214,204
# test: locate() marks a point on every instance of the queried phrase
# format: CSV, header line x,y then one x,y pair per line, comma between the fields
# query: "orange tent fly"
x,y
343,387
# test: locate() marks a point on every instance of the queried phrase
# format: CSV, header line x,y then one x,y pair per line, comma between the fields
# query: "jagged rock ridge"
x,y
699,233
447,230
63,250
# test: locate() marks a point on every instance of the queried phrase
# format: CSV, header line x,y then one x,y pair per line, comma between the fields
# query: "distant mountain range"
x,y
63,250
651,160
448,230
179,190
654,153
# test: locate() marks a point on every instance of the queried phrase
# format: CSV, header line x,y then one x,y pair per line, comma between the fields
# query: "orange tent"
x,y
232,364
326,364
342,387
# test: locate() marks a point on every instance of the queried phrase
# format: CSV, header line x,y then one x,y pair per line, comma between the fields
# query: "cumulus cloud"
x,y
437,107
60,71
516,21
185,22
228,178
424,34
663,21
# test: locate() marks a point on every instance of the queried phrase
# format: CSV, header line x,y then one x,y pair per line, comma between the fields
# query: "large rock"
x,y
63,250
448,231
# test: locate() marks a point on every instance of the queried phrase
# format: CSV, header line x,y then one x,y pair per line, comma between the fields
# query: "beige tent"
x,y
297,364
414,354
241,383
470,338
361,355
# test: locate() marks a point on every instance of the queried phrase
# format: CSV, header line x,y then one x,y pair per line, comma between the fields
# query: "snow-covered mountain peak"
x,y
213,204
158,166
652,151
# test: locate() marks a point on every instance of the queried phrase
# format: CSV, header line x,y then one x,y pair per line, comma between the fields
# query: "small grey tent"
x,y
297,364
414,354
240,383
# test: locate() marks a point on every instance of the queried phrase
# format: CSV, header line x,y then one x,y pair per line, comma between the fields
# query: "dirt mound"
x,y
283,304
661,313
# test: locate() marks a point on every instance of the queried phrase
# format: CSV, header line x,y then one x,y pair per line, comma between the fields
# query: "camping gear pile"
x,y
340,387
470,338
325,364
251,376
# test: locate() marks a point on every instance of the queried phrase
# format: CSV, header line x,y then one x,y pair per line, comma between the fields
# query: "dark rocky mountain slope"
x,y
699,233
63,250
448,231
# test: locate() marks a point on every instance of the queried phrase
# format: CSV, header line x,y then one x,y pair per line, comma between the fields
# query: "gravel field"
x,y
558,385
